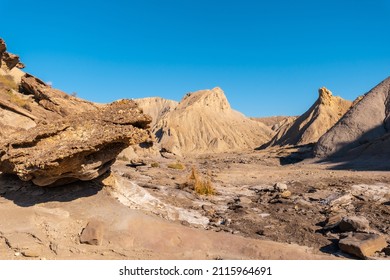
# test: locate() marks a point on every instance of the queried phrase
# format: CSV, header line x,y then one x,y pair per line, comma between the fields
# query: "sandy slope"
x,y
204,122
310,126
365,123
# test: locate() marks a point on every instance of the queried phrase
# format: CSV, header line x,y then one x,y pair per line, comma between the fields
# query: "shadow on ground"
x,y
357,163
26,194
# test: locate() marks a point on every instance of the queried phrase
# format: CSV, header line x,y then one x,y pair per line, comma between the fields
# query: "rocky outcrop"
x,y
157,108
26,100
316,121
363,130
25,105
76,147
8,60
55,103
203,122
52,138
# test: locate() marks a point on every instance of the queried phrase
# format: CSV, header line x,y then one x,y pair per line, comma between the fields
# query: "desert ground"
x,y
146,210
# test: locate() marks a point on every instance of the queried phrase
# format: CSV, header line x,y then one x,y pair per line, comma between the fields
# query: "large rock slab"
x,y
362,245
76,147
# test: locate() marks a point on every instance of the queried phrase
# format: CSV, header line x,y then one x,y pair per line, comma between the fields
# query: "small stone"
x,y
285,194
338,199
354,223
302,203
280,187
263,215
93,233
362,245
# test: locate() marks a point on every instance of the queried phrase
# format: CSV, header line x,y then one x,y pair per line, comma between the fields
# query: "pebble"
x,y
280,187
285,194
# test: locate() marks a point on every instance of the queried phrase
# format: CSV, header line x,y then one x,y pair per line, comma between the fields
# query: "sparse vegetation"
x,y
177,165
155,164
16,99
200,185
6,81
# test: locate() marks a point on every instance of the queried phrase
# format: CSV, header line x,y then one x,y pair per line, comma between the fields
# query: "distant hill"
x,y
203,122
363,131
316,121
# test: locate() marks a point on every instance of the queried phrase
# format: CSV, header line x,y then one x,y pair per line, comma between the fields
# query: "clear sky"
x,y
270,57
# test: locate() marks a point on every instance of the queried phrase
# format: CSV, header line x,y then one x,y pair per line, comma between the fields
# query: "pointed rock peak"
x,y
3,46
325,96
214,99
8,60
218,90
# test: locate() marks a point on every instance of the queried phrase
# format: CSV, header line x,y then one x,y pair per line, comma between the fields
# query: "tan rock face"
x,y
316,121
79,147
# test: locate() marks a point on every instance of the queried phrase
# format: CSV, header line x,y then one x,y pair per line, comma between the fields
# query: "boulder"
x,y
355,223
76,147
362,245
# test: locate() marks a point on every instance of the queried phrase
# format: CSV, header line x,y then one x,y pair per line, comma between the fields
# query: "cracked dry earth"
x,y
150,212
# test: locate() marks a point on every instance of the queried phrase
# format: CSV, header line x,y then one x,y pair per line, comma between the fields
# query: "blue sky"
x,y
269,57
